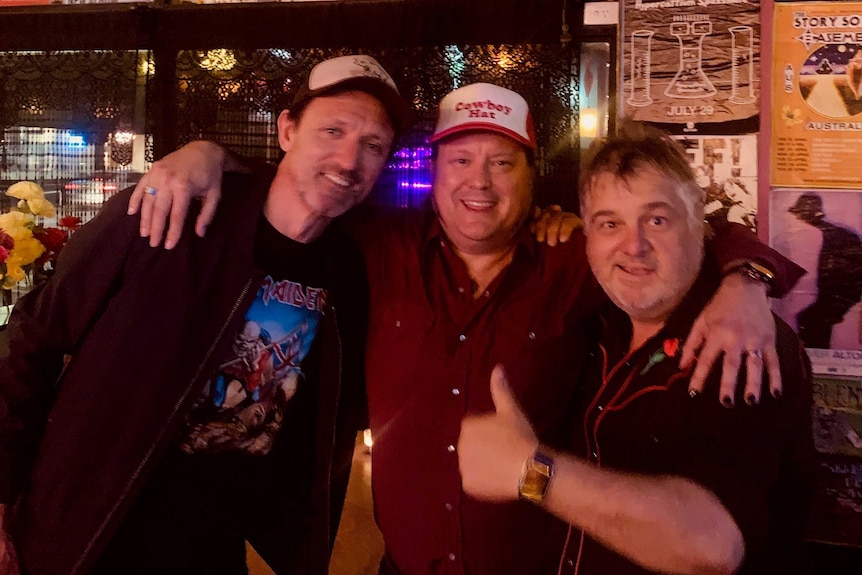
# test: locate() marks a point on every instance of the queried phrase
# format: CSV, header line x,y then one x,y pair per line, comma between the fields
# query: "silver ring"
x,y
754,353
150,191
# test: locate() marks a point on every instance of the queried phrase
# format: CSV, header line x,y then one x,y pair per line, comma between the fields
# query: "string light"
x,y
219,59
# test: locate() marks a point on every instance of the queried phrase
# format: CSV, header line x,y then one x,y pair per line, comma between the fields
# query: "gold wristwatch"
x,y
756,272
536,477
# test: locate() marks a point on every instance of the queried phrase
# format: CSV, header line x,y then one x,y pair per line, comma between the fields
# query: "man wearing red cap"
x,y
160,408
455,290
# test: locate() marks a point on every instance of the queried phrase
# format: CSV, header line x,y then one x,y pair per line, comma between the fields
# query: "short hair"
x,y
636,146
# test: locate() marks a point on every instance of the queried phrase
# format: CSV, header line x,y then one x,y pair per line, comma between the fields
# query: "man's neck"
x,y
642,331
291,217
485,267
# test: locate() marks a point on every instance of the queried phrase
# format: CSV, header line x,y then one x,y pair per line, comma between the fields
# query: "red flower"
x,y
70,222
671,346
52,238
4,254
6,241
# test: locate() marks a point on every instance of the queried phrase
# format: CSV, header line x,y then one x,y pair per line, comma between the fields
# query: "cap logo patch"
x,y
370,69
483,109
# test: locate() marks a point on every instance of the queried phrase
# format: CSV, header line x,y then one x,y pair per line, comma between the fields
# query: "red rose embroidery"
x,y
671,346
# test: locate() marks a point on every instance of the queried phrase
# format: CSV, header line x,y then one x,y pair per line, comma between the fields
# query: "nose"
x,y
636,243
480,176
348,154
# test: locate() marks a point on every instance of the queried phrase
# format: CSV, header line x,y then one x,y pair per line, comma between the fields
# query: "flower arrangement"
x,y
29,250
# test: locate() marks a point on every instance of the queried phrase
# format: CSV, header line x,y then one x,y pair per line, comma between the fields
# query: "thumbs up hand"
x,y
492,448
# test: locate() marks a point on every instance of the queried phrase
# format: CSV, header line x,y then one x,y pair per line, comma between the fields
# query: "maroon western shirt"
x,y
431,349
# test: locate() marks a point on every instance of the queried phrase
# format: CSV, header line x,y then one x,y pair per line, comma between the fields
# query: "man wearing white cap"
x,y
455,290
169,439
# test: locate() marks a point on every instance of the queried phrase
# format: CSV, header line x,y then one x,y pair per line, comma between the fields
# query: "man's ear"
x,y
286,126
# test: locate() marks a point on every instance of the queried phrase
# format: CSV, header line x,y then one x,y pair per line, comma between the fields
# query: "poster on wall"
x,y
837,416
817,95
726,168
836,515
821,230
836,424
692,66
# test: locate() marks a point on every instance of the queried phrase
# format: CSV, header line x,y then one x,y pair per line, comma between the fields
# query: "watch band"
x,y
536,477
756,272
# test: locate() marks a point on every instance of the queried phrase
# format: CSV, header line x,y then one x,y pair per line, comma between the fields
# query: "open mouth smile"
x,y
478,205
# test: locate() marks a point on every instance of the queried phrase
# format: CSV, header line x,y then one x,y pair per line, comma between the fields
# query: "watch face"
x,y
758,272
535,479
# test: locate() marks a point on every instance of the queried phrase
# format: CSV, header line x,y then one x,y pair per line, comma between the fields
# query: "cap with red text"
x,y
486,107
355,72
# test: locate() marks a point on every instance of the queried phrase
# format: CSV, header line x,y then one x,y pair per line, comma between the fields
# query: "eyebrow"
x,y
649,206
601,214
659,204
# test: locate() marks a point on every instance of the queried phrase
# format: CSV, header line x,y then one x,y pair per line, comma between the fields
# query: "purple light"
x,y
410,173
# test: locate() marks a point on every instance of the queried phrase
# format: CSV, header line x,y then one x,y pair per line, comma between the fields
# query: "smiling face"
x,y
644,244
482,190
335,151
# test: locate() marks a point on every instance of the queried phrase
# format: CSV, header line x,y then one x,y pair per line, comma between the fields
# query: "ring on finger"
x,y
754,353
150,191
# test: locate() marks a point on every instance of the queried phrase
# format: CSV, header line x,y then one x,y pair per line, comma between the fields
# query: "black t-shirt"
x,y
244,454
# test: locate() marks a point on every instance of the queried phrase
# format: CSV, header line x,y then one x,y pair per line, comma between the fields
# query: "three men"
x,y
159,408
658,479
457,289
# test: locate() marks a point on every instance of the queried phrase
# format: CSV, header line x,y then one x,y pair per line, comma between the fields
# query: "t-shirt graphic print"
x,y
242,407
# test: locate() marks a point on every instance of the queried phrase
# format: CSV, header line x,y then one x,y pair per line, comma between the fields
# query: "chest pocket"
x,y
542,359
397,334
645,435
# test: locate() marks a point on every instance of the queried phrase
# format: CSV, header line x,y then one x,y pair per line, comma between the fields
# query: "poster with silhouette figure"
x,y
817,95
692,66
726,168
821,230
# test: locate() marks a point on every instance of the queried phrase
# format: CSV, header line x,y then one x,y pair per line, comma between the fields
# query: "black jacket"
x,y
142,329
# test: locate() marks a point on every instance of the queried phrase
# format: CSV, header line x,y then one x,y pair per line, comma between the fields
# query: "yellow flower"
x,y
26,191
26,250
40,207
11,221
791,117
14,274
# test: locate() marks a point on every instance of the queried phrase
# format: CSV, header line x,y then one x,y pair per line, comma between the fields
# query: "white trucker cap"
x,y
486,107
358,72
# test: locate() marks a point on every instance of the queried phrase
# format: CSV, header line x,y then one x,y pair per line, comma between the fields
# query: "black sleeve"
x,y
48,324
735,242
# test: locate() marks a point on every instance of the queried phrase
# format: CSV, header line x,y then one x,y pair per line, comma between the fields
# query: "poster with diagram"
x,y
817,95
726,168
692,66
821,230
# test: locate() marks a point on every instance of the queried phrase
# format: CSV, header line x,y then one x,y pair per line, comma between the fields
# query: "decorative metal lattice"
x,y
234,96
86,90
68,120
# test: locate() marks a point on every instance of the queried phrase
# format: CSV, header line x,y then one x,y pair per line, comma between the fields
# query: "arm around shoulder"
x,y
734,243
